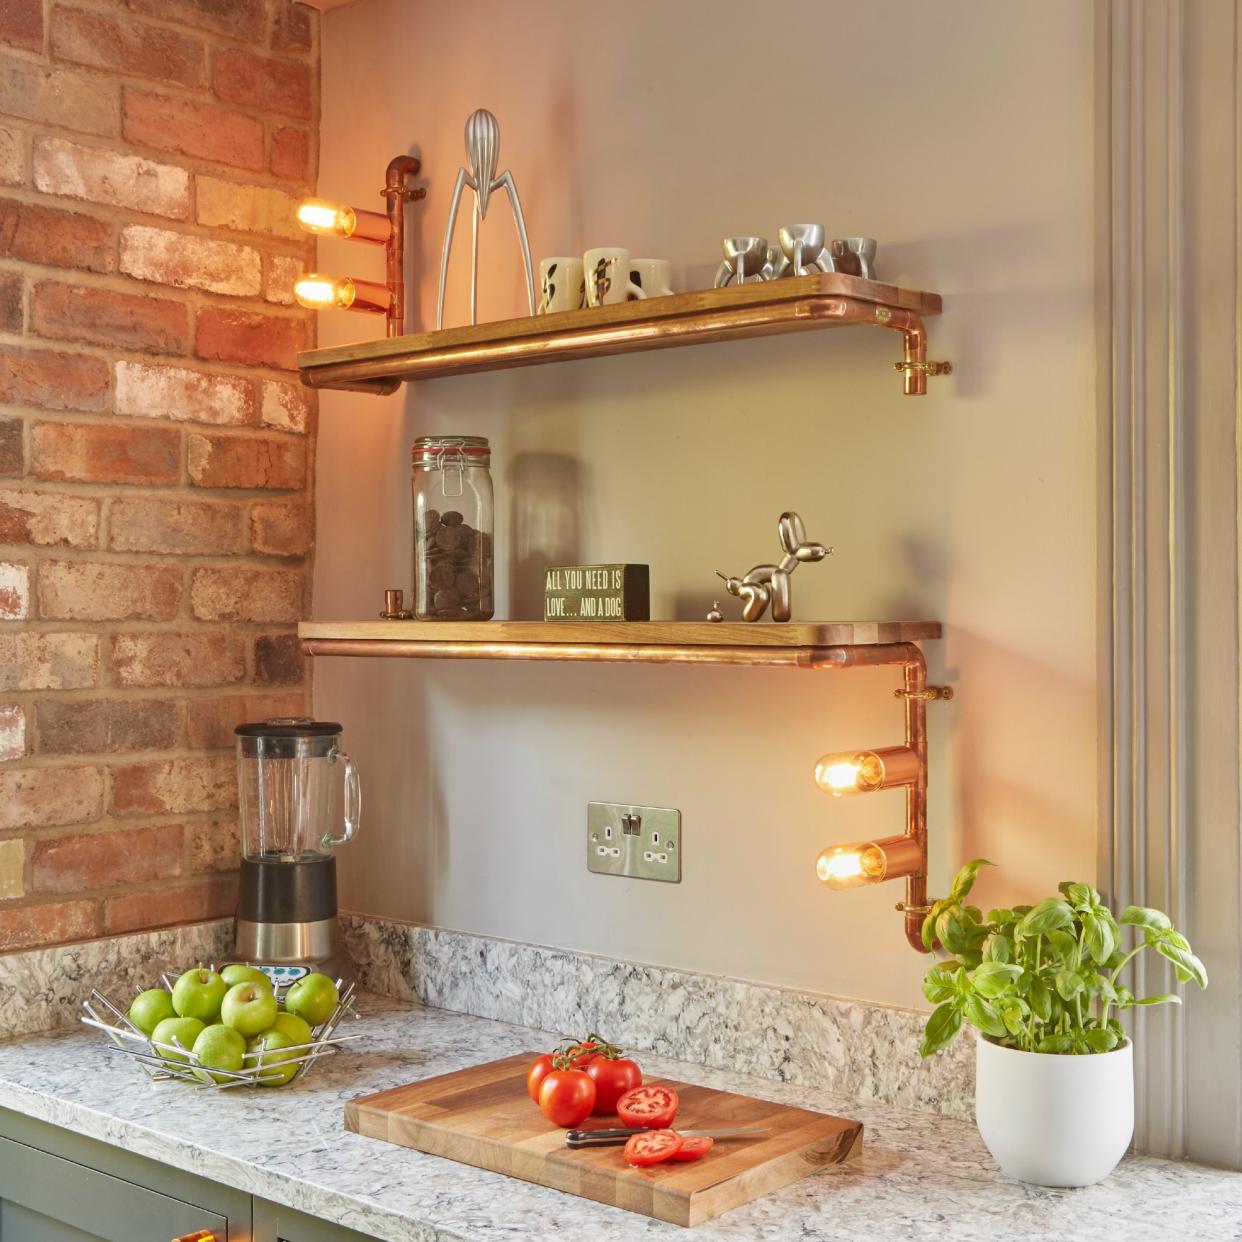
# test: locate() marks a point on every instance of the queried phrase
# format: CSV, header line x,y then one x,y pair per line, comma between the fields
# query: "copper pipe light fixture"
x,y
892,767
327,219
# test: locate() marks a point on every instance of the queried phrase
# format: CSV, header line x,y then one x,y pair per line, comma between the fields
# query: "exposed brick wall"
x,y
156,449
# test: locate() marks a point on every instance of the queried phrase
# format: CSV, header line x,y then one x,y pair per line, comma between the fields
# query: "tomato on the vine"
x,y
538,1071
613,1075
652,1108
653,1147
692,1148
566,1096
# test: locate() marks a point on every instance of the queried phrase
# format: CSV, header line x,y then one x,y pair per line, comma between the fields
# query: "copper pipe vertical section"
x,y
915,679
396,194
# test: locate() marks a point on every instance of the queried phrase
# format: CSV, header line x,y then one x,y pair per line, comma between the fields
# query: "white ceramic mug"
x,y
560,284
653,276
607,271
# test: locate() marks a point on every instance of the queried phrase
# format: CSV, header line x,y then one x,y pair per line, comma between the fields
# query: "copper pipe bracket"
x,y
903,907
930,694
927,368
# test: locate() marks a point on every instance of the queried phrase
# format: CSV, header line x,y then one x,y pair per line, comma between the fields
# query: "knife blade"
x,y
604,1137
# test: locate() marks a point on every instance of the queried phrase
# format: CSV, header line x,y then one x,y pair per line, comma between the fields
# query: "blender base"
x,y
316,945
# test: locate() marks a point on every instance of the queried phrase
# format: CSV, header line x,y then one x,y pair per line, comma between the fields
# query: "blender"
x,y
289,770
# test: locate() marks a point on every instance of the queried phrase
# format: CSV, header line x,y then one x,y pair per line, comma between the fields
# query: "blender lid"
x,y
289,726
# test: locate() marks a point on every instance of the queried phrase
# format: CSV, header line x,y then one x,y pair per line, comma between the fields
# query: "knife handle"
x,y
601,1136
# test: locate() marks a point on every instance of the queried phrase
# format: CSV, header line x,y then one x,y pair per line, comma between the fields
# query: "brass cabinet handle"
x,y
199,1235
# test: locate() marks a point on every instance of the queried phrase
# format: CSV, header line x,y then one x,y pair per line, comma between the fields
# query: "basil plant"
x,y
1044,978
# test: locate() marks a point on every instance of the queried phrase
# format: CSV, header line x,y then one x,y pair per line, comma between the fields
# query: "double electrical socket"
x,y
642,842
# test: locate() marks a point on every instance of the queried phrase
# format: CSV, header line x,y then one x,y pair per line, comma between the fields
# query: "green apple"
x,y
248,1008
296,1028
279,1064
236,972
173,1031
312,999
150,1008
198,993
218,1047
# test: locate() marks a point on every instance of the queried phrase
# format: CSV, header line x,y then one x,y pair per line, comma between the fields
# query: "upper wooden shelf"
x,y
824,300
807,645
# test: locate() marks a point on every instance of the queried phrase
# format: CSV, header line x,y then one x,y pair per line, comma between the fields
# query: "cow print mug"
x,y
561,286
607,272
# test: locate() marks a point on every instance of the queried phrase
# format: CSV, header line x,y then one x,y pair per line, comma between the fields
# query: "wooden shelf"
x,y
815,644
824,300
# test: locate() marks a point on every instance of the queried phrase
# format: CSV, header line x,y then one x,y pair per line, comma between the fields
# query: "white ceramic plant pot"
x,y
1055,1120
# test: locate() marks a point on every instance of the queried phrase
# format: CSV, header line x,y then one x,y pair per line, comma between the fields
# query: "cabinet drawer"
x,y
97,1204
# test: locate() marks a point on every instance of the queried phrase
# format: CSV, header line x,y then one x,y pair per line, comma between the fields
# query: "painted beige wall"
x,y
960,135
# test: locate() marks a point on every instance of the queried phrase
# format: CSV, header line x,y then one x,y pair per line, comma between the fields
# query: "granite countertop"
x,y
920,1175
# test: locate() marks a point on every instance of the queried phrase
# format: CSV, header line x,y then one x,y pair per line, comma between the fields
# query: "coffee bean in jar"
x,y
453,546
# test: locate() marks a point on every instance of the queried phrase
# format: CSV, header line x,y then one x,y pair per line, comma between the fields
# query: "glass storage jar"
x,y
453,554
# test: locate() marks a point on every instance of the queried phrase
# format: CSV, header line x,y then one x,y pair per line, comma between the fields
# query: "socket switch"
x,y
642,842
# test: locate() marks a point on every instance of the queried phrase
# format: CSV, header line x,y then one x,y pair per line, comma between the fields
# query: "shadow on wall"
x,y
545,524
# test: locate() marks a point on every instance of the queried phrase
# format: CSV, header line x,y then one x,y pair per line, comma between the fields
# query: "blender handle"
x,y
353,802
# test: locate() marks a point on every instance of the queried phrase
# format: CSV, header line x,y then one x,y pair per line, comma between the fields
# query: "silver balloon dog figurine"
x,y
769,584
483,153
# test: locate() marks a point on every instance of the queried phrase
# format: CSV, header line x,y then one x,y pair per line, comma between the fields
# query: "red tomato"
x,y
612,1080
692,1148
652,1108
538,1071
644,1150
566,1097
586,1054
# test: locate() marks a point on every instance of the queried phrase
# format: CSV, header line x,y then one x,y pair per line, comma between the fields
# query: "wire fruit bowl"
x,y
168,1061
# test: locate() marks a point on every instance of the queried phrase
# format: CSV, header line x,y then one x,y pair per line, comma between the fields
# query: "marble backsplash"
x,y
41,989
862,1050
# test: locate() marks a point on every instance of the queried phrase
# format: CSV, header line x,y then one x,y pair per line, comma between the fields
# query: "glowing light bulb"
x,y
869,862
316,291
864,771
327,219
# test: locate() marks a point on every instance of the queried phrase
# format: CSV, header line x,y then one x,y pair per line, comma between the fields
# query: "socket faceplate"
x,y
642,842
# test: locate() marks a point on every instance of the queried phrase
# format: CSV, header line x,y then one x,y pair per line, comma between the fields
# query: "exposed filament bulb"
x,y
328,219
320,292
865,771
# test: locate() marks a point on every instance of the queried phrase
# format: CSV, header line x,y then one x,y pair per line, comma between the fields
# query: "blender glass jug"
x,y
287,779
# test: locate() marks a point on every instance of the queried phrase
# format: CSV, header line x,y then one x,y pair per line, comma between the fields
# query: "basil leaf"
x,y
1068,984
964,881
1167,999
1049,915
1099,937
996,948
941,1029
1185,964
937,987
993,978
1040,997
982,1016
1141,916
1101,1040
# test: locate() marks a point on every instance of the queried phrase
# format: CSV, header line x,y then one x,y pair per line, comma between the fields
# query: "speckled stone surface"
x,y
920,1176
44,988
865,1051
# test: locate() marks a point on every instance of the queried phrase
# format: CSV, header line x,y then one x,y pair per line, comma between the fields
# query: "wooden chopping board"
x,y
483,1116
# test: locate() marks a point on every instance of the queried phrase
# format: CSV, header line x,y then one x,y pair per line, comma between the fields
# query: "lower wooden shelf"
x,y
815,644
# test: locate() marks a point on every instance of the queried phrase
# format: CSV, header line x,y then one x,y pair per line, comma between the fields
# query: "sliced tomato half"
x,y
692,1148
653,1147
652,1108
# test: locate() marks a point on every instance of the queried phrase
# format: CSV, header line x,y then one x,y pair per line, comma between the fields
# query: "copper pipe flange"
x,y
928,368
944,693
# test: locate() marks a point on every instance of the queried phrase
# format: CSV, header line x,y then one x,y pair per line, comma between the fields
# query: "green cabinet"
x,y
57,1186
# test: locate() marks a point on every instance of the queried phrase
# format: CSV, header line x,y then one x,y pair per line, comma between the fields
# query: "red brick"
x,y
240,19
282,272
202,130
210,898
113,178
24,926
105,317
214,846
48,519
14,591
285,406
249,462
79,726
11,287
291,27
48,797
210,721
242,594
95,591
62,97
263,83
247,208
281,530
12,449
176,786
291,155
30,661
12,156
189,262
108,859
202,658
278,660
127,47
60,238
21,24
225,335
90,453
147,391
12,732
53,380
175,527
